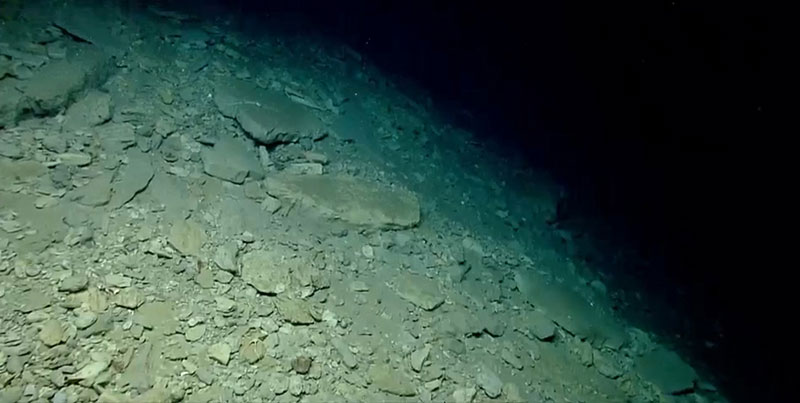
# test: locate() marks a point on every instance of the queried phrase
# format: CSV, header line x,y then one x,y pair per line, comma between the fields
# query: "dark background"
x,y
652,112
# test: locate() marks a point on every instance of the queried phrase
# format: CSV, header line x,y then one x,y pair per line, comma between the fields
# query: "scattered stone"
x,y
348,199
187,237
84,319
303,168
220,352
359,286
230,160
512,393
391,381
494,326
205,375
223,277
93,110
117,280
225,304
129,298
225,257
52,333
301,364
420,291
115,138
540,326
33,300
512,359
348,358
294,311
95,193
195,333
205,279
464,395
606,366
667,370
269,117
252,350
89,371
74,283
489,382
74,159
134,178
418,358
157,316
265,272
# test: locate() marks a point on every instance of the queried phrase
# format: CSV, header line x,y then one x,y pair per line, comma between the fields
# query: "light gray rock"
x,y
74,283
294,311
667,370
348,358
92,110
418,358
489,382
134,178
268,117
96,193
187,237
265,271
391,381
540,326
348,199
230,160
419,290
220,352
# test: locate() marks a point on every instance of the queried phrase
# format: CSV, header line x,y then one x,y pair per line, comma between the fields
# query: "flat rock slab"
x,y
230,160
266,270
420,291
157,316
90,111
95,193
349,200
666,370
269,117
92,25
135,178
294,311
391,381
57,83
187,237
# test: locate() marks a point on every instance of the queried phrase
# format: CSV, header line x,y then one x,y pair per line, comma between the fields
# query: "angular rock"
x,y
269,117
349,200
135,178
187,237
540,326
420,291
265,271
230,160
52,333
391,381
667,370
115,138
294,311
96,193
418,358
195,333
225,257
94,109
56,83
489,382
157,316
220,352
74,283
348,359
